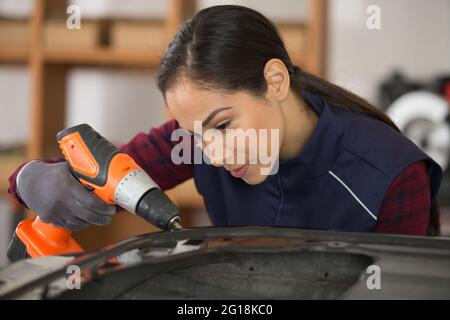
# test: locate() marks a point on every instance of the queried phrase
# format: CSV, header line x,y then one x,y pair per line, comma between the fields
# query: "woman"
x,y
342,164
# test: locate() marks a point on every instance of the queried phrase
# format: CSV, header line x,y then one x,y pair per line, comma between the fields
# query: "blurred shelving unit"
x,y
13,55
104,44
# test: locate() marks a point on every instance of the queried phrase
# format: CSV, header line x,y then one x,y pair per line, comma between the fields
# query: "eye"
x,y
223,125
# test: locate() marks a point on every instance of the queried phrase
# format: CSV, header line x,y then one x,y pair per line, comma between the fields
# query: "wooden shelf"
x,y
11,55
103,57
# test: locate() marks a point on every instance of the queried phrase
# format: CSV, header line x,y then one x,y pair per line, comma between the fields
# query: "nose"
x,y
221,154
215,156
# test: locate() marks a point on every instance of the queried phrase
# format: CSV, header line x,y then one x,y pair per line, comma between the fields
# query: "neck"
x,y
300,121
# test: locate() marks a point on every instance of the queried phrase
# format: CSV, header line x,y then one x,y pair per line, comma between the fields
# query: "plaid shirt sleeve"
x,y
152,152
407,203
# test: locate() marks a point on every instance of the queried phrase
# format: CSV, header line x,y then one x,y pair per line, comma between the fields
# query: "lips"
x,y
239,172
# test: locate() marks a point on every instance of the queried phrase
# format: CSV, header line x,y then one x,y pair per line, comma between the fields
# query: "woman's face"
x,y
248,153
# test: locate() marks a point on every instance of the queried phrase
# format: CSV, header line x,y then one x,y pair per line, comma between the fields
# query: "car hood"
x,y
242,263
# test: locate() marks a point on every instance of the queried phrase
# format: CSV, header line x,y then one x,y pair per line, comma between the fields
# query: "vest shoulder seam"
x,y
367,162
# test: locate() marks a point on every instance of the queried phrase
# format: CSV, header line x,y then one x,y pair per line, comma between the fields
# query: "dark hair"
x,y
226,48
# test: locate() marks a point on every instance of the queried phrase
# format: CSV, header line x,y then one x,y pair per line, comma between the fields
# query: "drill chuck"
x,y
138,193
156,207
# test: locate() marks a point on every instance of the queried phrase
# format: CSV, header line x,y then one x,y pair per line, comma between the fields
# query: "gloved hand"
x,y
57,197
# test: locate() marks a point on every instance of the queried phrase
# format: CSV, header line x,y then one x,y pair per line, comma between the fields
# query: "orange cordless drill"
x,y
113,176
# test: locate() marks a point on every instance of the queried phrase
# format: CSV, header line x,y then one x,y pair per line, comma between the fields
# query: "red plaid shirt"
x,y
405,210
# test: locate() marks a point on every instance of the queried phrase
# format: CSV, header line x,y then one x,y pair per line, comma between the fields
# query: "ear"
x,y
278,80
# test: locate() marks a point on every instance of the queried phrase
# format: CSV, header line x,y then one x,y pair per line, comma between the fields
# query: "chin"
x,y
254,178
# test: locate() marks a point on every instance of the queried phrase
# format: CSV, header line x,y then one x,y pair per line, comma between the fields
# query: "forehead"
x,y
187,102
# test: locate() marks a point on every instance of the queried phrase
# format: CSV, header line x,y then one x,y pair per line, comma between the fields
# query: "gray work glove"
x,y
57,197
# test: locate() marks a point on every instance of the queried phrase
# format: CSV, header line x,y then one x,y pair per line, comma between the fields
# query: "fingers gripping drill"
x,y
113,176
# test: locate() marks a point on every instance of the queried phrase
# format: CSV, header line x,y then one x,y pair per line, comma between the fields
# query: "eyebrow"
x,y
212,115
209,118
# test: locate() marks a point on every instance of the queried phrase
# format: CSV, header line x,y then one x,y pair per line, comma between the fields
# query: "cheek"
x,y
263,116
268,129
258,147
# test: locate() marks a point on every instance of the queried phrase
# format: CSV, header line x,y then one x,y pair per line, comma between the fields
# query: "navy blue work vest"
x,y
338,181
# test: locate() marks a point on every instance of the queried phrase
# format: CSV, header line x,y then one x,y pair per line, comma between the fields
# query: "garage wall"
x,y
117,103
14,100
414,37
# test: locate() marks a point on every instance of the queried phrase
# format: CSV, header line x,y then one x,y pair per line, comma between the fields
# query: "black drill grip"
x,y
101,150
